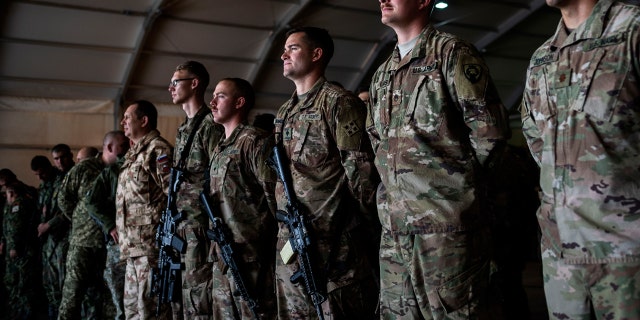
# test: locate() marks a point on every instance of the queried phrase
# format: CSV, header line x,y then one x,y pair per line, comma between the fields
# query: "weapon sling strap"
x,y
197,120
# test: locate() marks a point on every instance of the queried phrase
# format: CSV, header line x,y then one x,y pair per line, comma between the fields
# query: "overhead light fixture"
x,y
441,5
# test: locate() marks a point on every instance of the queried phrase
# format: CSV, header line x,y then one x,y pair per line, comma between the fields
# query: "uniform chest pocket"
x,y
139,173
424,111
544,107
310,149
602,82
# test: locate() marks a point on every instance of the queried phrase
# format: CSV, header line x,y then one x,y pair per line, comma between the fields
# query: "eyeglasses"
x,y
174,82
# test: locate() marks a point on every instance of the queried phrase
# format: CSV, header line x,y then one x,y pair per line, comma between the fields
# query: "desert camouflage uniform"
x,y
19,271
85,259
196,277
334,179
581,118
101,205
55,246
242,193
434,120
140,199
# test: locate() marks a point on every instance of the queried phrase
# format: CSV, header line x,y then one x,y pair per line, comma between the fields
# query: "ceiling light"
x,y
441,5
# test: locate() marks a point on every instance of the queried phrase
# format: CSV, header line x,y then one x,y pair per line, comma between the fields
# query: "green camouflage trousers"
x,y
196,276
114,279
434,276
54,259
83,284
19,285
139,304
612,290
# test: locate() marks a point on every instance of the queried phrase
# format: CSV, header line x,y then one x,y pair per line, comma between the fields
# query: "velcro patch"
x,y
473,72
15,209
310,117
351,128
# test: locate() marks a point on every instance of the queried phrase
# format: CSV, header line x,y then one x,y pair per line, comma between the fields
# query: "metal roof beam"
x,y
154,12
509,24
277,30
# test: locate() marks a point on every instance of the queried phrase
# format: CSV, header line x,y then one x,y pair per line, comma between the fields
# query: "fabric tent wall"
x,y
32,127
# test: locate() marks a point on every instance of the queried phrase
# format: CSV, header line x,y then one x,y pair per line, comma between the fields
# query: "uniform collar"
x,y
592,28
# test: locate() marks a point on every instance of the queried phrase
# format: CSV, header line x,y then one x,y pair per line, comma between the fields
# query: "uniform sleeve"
x,y
210,138
17,227
477,98
530,129
160,166
263,172
356,151
68,194
101,201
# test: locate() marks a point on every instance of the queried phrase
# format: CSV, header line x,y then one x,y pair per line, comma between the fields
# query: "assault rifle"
x,y
165,279
222,236
299,238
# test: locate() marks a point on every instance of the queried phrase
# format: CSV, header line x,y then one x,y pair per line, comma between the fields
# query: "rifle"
x,y
165,279
222,236
299,238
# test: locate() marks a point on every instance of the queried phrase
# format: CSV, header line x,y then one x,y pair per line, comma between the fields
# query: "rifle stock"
x,y
299,237
221,234
165,279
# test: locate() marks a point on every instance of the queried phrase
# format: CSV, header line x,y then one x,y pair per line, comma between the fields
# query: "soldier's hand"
x,y
42,228
1,247
114,234
13,253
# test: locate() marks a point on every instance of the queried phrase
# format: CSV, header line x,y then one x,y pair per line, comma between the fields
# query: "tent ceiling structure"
x,y
86,58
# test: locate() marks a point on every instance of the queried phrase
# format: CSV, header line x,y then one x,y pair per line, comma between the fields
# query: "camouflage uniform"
x,y
101,205
19,271
334,179
141,196
196,277
85,259
242,193
434,120
582,122
55,245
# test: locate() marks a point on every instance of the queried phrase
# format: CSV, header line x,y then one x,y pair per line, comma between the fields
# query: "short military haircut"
x,y
61,148
317,38
7,175
40,162
146,108
198,70
243,89
111,135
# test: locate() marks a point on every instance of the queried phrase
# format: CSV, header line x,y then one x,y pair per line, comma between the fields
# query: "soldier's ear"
x,y
144,121
240,102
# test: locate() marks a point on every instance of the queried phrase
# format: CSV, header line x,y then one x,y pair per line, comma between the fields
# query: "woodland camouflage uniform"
x,y
581,118
101,205
19,271
55,245
85,260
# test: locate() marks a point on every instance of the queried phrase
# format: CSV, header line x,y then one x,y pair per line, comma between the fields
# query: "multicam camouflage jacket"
x,y
435,120
72,202
143,186
205,140
581,118
334,178
46,191
242,189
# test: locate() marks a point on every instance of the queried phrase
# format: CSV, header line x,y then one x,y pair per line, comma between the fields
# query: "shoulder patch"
x,y
163,163
15,209
473,72
351,128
